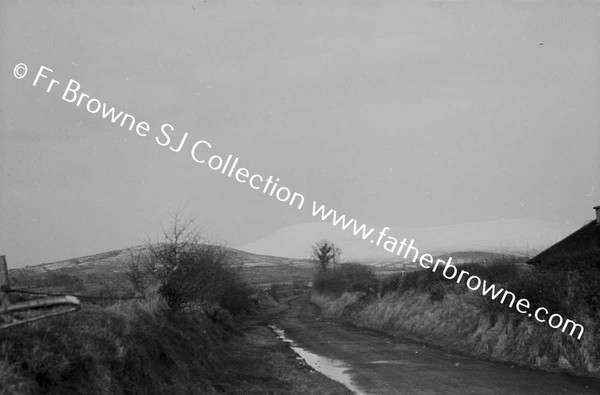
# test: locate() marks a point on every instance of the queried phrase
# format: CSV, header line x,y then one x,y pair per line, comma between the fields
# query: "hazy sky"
x,y
412,113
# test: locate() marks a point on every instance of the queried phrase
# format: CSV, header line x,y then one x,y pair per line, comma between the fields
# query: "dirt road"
x,y
381,364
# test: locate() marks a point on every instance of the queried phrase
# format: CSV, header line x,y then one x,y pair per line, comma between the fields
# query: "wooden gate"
x,y
12,314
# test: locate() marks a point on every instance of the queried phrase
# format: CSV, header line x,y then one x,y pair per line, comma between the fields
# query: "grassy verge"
x,y
427,307
125,348
142,348
263,364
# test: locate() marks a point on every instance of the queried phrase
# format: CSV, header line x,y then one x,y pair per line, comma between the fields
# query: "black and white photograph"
x,y
299,197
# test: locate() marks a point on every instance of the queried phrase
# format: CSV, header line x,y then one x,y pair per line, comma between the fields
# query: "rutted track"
x,y
382,364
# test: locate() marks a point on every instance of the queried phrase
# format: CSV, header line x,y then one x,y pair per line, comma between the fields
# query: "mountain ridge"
x,y
515,236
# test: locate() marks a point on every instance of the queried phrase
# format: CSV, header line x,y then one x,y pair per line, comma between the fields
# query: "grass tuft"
x,y
426,306
130,347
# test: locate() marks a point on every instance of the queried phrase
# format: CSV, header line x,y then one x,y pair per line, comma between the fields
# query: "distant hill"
x,y
282,256
520,237
479,256
119,259
107,269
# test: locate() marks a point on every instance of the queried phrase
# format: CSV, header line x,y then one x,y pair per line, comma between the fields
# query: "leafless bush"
x,y
325,253
185,269
138,274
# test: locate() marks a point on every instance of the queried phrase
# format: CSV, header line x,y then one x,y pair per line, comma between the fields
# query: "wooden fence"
x,y
12,314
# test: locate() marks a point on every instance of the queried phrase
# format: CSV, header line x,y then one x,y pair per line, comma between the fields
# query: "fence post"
x,y
3,282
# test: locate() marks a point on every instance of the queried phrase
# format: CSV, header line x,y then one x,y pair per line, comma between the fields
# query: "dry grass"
x,y
458,323
130,347
425,306
333,307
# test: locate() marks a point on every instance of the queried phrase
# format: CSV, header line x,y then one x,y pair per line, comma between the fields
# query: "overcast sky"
x,y
417,113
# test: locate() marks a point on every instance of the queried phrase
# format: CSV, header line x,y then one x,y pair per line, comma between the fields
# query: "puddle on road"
x,y
335,370
393,362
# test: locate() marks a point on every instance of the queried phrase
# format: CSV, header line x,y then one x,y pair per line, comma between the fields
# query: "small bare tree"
x,y
183,267
138,274
325,253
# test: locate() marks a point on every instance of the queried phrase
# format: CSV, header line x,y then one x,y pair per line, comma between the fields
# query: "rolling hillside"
x,y
107,269
522,237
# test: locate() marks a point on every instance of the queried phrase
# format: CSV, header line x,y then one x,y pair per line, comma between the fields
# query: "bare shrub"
x,y
325,253
349,277
138,274
188,272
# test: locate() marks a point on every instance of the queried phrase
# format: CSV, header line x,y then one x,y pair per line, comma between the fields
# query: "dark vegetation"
x,y
127,348
335,279
169,342
428,307
347,277
189,273
56,279
565,284
500,271
325,254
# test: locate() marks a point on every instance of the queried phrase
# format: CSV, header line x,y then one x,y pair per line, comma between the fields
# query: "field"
x,y
141,346
105,273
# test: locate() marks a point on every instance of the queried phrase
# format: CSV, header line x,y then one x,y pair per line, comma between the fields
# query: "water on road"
x,y
368,362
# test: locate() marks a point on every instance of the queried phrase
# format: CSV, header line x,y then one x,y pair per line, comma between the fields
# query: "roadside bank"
x,y
457,323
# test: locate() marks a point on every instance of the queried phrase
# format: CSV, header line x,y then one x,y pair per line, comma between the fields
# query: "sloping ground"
x,y
139,348
457,323
475,256
126,348
102,263
381,364
118,259
514,236
108,269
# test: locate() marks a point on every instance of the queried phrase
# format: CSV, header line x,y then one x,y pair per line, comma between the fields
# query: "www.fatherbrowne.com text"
x,y
228,165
